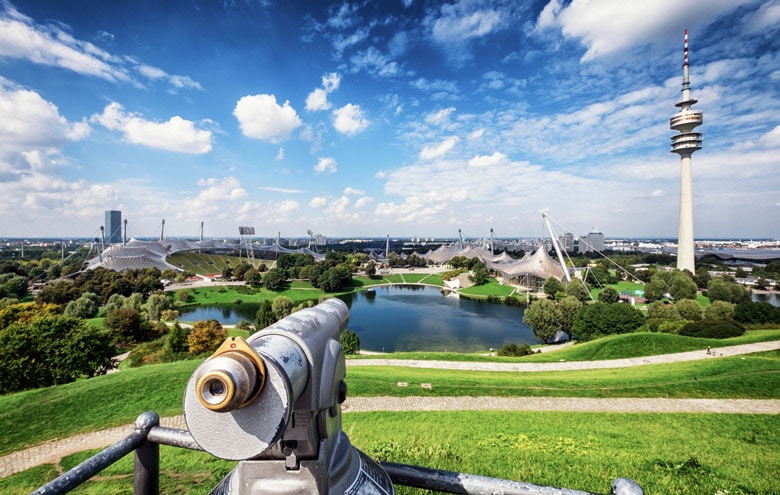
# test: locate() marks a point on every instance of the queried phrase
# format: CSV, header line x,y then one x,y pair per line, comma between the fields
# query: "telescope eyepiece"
x,y
233,377
216,390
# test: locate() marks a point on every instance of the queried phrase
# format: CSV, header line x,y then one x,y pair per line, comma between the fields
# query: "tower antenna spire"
x,y
684,144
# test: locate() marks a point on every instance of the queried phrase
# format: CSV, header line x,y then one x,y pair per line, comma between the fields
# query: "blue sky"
x,y
396,117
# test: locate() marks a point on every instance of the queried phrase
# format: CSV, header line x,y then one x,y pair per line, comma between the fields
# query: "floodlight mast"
x,y
554,240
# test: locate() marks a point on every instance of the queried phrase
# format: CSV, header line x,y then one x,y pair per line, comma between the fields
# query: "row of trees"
x,y
566,313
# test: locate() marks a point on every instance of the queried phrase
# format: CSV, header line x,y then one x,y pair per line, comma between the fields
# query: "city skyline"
x,y
401,118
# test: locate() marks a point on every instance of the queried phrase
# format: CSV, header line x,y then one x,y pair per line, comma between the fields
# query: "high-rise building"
x,y
684,144
567,242
113,227
594,241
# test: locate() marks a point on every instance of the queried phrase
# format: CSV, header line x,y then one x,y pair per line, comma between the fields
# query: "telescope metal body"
x,y
273,403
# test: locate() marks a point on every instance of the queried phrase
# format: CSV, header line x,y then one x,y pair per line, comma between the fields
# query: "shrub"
x,y
350,342
244,325
672,326
146,353
52,350
713,329
169,315
206,336
515,350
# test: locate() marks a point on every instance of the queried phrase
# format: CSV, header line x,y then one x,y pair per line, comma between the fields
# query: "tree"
x,y
253,277
206,336
282,306
114,302
568,307
682,286
148,285
135,301
756,312
51,350
479,274
175,341
59,292
620,318
126,325
656,288
720,310
552,286
720,289
16,286
588,322
609,295
86,306
607,319
576,289
370,269
689,309
335,278
274,279
702,277
544,318
265,315
659,313
156,304
350,342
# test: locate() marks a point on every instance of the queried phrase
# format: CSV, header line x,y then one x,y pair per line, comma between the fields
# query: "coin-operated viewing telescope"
x,y
273,402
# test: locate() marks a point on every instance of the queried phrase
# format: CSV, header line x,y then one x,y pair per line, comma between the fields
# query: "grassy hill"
x,y
666,453
118,398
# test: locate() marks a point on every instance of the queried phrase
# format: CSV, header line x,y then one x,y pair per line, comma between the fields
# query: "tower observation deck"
x,y
684,144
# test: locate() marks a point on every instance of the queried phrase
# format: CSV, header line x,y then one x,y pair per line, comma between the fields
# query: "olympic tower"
x,y
684,144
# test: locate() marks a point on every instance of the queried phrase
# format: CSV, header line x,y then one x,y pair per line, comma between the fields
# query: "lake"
x,y
409,318
772,298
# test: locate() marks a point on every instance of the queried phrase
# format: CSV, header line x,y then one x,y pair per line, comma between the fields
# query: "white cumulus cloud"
x,y
349,119
439,150
496,158
325,164
261,117
176,134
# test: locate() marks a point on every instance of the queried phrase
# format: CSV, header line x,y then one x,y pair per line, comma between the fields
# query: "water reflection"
x,y
409,318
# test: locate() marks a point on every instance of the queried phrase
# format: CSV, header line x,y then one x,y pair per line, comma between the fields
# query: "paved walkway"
x,y
54,450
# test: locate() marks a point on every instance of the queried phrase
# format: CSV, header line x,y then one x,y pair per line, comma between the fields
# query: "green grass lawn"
x,y
110,400
687,454
413,278
752,376
229,294
491,288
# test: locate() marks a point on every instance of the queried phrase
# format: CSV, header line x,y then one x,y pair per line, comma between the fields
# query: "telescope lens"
x,y
214,391
216,387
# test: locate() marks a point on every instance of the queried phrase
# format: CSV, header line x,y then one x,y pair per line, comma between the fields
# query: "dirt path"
x,y
52,451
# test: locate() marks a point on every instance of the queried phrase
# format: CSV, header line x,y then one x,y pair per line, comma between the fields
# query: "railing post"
x,y
146,479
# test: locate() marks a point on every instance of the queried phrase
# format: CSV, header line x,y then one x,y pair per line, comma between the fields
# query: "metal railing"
x,y
148,435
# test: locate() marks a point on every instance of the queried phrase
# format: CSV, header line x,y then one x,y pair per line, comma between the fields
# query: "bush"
x,y
713,329
515,350
350,342
205,337
52,350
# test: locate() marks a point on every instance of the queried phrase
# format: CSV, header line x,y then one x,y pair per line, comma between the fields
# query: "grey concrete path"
x,y
54,450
